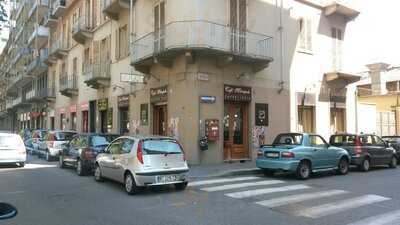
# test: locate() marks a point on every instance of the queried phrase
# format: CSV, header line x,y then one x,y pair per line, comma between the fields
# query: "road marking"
x,y
250,193
275,202
389,218
339,206
218,181
242,185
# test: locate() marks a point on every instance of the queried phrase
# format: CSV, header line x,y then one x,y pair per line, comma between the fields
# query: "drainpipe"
x,y
356,108
280,29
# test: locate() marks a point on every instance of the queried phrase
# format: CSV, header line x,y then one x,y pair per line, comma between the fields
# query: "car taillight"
x,y
139,152
287,155
183,152
260,153
358,149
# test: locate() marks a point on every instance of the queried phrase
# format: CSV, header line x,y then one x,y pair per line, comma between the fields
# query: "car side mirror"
x,y
7,211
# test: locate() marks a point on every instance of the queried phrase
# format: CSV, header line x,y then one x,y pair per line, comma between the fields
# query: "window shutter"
x,y
242,15
117,47
309,35
108,43
233,13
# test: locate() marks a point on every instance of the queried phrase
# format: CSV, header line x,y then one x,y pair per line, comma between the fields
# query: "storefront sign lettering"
x,y
123,101
237,93
159,94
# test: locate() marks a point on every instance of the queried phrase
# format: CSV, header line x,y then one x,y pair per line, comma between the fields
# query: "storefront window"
x,y
124,120
73,121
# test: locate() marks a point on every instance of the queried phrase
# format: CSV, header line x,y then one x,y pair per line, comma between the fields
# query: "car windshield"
x,y
10,142
342,140
161,146
64,136
98,141
392,139
288,139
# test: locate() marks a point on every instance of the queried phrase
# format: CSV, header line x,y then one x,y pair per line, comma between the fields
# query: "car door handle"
x,y
315,149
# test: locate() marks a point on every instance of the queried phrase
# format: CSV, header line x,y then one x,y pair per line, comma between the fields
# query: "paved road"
x,y
47,195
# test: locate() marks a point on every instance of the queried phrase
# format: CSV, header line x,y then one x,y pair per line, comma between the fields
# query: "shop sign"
x,y
159,94
144,114
102,104
85,106
237,93
208,99
123,101
261,114
132,78
72,109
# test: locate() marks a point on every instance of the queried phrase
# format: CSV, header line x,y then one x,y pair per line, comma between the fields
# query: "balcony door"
x,y
159,27
238,25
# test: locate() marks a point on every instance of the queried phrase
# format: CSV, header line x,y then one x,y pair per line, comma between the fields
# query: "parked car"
x,y
394,142
12,149
302,154
52,145
82,150
138,162
38,137
366,150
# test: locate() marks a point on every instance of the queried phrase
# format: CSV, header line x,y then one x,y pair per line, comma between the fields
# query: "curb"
x,y
251,171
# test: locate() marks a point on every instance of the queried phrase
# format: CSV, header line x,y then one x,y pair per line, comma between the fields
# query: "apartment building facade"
x,y
236,71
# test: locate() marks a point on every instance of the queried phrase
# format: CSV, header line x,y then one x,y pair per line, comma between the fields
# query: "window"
x,y
127,145
122,49
98,141
288,139
161,146
337,38
317,141
346,140
305,42
115,147
379,141
366,140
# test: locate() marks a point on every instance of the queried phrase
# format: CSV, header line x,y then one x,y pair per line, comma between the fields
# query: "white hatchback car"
x,y
12,149
139,162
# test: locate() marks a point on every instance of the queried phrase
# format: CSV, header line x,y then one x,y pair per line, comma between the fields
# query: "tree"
x,y
3,13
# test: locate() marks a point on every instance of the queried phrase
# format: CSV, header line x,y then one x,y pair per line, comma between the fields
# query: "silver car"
x,y
139,162
12,149
51,146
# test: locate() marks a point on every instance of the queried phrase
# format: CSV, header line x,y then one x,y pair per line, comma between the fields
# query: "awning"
x,y
341,79
338,7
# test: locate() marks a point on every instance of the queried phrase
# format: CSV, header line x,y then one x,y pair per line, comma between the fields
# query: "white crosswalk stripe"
x,y
241,185
339,206
389,218
275,202
219,181
251,193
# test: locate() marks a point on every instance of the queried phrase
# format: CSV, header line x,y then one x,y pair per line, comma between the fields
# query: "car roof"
x,y
99,134
148,137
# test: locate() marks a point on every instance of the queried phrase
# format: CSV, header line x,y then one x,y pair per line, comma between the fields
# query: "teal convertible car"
x,y
302,154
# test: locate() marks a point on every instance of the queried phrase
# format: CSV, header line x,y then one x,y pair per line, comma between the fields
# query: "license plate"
x,y
166,179
272,155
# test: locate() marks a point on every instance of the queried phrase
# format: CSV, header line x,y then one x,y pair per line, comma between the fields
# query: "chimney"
x,y
376,71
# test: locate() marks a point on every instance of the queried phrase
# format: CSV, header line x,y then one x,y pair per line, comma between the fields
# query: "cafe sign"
x,y
159,94
102,104
123,101
237,93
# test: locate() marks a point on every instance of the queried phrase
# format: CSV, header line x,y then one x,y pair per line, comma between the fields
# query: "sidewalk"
x,y
221,170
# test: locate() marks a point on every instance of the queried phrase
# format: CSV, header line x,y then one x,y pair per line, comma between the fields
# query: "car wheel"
x,y
268,172
393,162
365,165
181,186
98,174
130,185
343,167
61,163
80,168
21,164
303,170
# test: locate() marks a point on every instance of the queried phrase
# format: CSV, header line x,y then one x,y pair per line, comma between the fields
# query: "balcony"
x,y
97,75
340,7
39,6
50,21
112,8
9,104
68,85
204,37
58,50
59,8
21,53
17,81
81,30
41,95
40,35
37,66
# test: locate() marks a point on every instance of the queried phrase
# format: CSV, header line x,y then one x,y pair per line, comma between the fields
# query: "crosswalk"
x,y
280,195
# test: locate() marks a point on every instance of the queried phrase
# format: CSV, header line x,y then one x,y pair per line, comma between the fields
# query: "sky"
x,y
375,33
